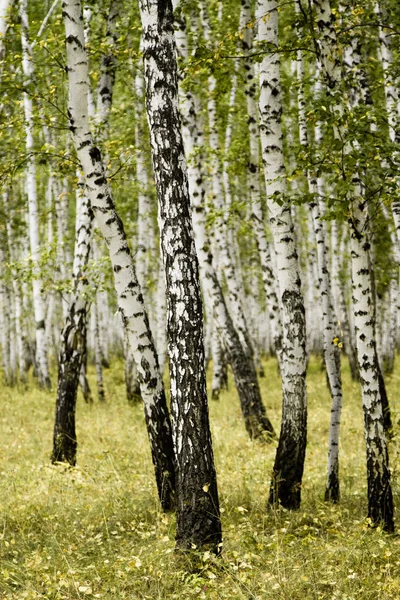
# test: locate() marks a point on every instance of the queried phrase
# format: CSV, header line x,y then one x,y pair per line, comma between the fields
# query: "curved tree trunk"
x,y
129,296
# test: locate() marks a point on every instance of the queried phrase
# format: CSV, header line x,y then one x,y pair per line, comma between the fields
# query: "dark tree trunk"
x,y
387,416
132,384
198,520
73,343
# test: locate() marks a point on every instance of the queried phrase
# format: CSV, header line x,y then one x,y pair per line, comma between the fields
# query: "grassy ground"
x,y
96,531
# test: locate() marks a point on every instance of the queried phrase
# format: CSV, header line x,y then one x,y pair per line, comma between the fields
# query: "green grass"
x,y
96,531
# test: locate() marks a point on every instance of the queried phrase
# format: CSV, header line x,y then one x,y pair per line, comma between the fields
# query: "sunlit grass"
x,y
96,531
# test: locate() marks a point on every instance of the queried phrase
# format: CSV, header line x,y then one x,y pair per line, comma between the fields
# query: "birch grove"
x,y
194,194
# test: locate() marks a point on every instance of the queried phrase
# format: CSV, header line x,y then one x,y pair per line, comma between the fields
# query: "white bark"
x,y
288,469
380,505
220,229
161,318
242,363
392,97
129,295
5,325
380,502
31,188
253,174
145,229
330,329
4,11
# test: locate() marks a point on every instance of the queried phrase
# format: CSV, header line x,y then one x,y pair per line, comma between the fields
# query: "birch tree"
x,y
130,300
380,501
289,461
31,190
74,333
198,520
257,423
330,331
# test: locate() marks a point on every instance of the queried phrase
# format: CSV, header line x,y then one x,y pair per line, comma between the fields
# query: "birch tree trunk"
x,y
130,299
380,500
331,350
253,173
20,326
74,334
339,298
220,230
5,323
198,520
73,339
31,188
257,423
4,9
289,461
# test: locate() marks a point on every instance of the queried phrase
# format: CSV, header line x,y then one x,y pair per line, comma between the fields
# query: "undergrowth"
x,y
96,531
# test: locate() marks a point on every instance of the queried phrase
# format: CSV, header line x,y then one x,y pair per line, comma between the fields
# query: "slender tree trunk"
x,y
380,501
73,340
132,385
161,319
253,173
5,323
330,332
83,380
340,303
130,299
98,357
4,10
240,359
20,327
198,520
31,188
220,372
219,232
289,461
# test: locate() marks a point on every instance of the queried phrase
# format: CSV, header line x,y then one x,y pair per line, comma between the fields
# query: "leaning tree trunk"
x,y
219,232
289,461
129,296
257,423
74,332
198,520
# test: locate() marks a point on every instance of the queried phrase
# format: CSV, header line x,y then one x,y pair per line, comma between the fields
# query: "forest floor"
x,y
96,531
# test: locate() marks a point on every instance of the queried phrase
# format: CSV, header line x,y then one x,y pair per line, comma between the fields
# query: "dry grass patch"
x,y
96,531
